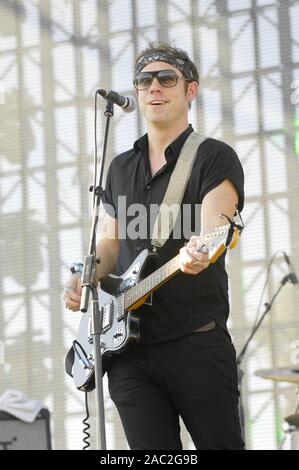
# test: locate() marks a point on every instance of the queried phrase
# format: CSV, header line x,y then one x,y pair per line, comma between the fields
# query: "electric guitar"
x,y
120,297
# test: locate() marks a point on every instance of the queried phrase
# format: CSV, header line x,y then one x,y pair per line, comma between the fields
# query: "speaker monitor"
x,y
18,435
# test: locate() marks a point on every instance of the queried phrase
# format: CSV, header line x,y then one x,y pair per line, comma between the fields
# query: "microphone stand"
x,y
89,287
268,306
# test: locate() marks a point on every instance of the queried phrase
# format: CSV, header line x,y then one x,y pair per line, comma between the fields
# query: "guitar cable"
x,y
86,425
85,363
83,359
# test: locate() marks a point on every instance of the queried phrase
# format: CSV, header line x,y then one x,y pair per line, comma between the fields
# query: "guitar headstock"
x,y
223,237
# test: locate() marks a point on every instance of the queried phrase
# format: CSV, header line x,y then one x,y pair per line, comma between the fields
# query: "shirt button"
x,y
138,249
148,186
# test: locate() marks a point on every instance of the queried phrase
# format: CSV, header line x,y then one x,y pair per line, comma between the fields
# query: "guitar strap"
x,y
171,205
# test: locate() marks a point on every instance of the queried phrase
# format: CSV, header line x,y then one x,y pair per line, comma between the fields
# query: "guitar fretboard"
x,y
151,282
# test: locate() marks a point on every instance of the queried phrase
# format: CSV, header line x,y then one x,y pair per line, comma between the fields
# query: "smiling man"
x,y
184,365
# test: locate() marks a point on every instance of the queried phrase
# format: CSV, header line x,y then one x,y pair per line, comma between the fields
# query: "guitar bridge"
x,y
118,336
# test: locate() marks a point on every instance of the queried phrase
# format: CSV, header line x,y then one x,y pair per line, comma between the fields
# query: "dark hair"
x,y
174,52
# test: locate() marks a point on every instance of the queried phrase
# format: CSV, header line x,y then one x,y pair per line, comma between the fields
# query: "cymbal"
x,y
281,374
293,420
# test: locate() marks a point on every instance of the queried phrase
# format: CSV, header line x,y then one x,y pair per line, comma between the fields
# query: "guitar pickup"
x,y
107,312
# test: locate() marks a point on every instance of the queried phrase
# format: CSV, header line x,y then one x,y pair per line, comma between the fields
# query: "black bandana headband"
x,y
180,64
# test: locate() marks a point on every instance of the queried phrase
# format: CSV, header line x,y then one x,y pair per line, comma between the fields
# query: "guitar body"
x,y
119,327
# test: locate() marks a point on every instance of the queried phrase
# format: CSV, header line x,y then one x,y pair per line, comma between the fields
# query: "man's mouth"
x,y
157,102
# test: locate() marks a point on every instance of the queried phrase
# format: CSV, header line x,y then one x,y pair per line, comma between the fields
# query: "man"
x,y
184,365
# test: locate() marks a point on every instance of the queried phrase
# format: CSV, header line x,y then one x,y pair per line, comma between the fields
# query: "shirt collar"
x,y
172,151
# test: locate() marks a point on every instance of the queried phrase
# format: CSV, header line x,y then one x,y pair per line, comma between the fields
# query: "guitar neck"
x,y
216,242
151,282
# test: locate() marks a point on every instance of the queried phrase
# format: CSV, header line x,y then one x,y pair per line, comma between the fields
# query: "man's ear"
x,y
192,91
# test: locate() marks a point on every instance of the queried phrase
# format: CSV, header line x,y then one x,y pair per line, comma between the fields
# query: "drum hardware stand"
x,y
268,306
292,427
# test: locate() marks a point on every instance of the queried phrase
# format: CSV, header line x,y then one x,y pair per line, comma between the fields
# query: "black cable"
x,y
257,315
84,361
86,426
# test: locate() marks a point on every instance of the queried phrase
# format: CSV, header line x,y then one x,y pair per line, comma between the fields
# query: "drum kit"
x,y
288,375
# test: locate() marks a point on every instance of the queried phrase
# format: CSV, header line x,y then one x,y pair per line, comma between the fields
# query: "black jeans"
x,y
194,377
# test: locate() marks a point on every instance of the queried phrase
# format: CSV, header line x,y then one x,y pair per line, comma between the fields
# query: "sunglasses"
x,y
166,78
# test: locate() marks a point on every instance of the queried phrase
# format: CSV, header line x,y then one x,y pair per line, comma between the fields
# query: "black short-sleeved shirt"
x,y
186,301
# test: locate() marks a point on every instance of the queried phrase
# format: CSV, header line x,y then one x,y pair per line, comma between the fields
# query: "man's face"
x,y
164,105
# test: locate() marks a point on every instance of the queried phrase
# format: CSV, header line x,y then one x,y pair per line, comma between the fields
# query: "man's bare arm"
x,y
108,247
107,250
220,200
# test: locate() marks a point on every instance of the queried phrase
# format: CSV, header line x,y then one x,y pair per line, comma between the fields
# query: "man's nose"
x,y
155,85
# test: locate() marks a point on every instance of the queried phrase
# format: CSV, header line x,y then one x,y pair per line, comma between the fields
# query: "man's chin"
x,y
158,119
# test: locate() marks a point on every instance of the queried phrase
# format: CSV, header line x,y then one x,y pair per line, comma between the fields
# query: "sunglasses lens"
x,y
166,78
143,80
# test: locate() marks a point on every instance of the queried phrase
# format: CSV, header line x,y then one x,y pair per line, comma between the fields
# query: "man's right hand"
x,y
72,292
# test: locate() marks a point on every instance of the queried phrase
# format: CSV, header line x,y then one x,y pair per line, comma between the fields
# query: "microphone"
x,y
292,276
127,103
